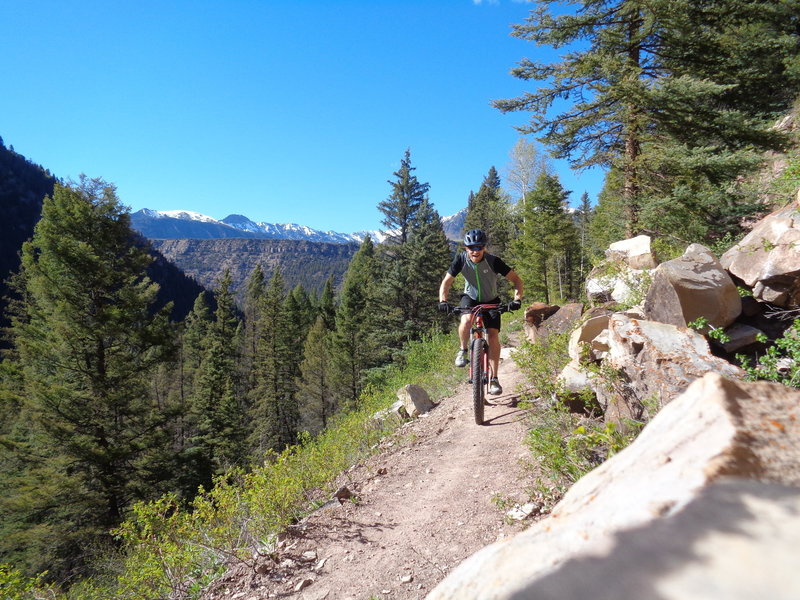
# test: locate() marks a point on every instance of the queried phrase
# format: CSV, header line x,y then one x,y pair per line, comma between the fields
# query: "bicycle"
x,y
479,369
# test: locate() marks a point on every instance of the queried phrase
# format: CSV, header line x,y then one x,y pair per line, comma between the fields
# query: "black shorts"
x,y
489,321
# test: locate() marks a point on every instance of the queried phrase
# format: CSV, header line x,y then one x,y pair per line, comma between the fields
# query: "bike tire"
x,y
478,387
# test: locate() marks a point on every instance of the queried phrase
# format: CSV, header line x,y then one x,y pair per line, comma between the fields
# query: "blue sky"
x,y
284,111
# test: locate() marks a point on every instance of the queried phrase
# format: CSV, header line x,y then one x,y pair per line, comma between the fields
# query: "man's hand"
x,y
445,308
514,305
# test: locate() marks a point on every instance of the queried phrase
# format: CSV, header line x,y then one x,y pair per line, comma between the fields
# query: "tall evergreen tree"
x,y
315,394
401,206
253,297
358,317
542,254
218,411
327,305
274,412
489,210
663,88
87,343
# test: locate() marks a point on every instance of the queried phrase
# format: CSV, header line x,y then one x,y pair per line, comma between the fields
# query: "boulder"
x,y
535,314
634,252
562,321
691,286
739,336
768,258
660,520
574,379
415,399
616,282
586,332
656,362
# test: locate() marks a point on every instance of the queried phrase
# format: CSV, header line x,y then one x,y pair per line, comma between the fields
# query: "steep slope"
x,y
435,494
309,263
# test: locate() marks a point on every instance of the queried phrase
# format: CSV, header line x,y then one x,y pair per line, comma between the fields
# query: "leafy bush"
x,y
781,363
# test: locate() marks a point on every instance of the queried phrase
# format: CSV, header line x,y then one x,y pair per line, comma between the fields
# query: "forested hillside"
x,y
139,453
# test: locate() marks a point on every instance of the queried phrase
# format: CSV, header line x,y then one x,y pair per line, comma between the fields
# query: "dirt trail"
x,y
436,493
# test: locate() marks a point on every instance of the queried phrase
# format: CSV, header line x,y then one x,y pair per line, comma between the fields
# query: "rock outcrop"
x,y
642,522
301,262
767,260
692,286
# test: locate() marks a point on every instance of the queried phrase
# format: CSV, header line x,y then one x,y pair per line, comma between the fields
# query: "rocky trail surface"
x,y
438,491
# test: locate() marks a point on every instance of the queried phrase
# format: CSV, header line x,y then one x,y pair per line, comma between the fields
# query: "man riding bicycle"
x,y
481,270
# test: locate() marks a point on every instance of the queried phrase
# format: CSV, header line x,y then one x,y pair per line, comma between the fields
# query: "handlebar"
x,y
478,308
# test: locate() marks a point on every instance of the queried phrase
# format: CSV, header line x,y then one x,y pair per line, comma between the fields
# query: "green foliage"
x,y
489,210
702,325
781,363
676,98
172,549
15,586
541,362
546,249
87,346
401,207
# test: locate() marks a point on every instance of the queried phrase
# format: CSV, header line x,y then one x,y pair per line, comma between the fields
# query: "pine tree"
x,y
358,317
87,344
543,253
252,300
670,95
489,210
218,412
327,305
315,394
407,195
274,412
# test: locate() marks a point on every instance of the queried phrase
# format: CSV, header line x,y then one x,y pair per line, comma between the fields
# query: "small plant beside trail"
x,y
781,362
565,445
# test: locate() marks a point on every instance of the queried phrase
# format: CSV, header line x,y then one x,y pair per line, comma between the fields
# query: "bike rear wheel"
x,y
478,375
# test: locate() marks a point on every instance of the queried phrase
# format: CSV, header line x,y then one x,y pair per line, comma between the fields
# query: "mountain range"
x,y
184,224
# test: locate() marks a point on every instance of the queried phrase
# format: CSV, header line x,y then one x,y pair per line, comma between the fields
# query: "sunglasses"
x,y
474,248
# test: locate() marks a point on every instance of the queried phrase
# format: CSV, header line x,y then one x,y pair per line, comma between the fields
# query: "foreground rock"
x,y
646,525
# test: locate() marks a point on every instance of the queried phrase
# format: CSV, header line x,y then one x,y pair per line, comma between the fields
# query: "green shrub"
x,y
781,363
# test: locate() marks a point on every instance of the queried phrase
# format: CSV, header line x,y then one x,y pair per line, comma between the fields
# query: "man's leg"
x,y
494,350
463,331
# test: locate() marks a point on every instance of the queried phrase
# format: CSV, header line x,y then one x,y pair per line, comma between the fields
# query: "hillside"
x,y
301,262
436,493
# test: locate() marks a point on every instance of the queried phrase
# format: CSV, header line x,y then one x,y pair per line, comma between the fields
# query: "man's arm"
x,y
447,283
515,281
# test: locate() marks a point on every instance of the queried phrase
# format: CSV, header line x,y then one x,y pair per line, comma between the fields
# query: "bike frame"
x,y
480,379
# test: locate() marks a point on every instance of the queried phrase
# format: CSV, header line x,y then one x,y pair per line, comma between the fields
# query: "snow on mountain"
x,y
176,224
186,215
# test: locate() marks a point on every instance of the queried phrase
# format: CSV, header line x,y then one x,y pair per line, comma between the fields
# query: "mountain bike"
x,y
479,370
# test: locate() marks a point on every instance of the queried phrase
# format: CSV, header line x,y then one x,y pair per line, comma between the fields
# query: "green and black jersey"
x,y
481,278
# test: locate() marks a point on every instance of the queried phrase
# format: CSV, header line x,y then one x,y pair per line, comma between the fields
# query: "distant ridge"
x,y
186,224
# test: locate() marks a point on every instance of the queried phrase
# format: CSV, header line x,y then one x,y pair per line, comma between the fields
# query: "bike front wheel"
x,y
478,375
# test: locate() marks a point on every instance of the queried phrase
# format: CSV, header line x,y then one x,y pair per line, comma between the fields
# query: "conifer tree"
x,y
315,394
358,316
87,344
671,95
542,254
254,293
274,412
401,206
489,210
327,305
218,413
